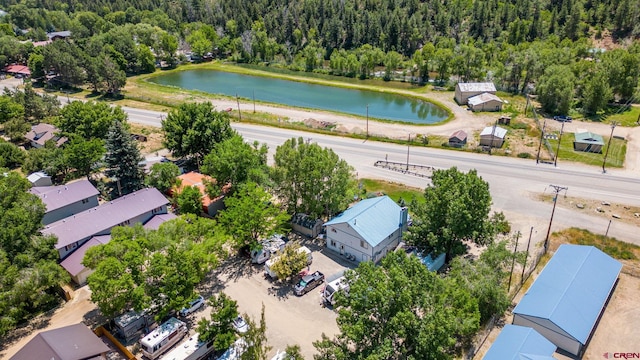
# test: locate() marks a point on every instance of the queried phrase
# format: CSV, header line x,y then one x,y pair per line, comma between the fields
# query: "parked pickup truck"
x,y
308,283
562,118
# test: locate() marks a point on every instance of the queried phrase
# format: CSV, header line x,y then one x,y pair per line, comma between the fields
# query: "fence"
x,y
406,168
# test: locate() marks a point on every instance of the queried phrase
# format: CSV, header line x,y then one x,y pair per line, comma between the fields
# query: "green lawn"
x,y
614,159
623,115
395,191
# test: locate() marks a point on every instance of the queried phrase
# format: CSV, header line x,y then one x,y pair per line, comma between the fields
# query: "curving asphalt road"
x,y
514,182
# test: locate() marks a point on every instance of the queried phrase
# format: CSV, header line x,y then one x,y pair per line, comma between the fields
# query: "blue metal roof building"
x,y
519,343
568,297
367,230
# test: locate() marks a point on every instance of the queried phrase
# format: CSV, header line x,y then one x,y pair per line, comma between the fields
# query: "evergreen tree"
x,y
122,160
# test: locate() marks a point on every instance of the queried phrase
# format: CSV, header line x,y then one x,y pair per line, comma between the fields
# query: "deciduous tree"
x,y
219,326
250,215
195,129
89,119
399,310
83,155
290,262
456,209
311,179
10,155
163,176
190,200
234,161
556,89
256,338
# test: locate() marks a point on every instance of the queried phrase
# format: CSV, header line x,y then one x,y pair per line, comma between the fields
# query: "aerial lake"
x,y
300,94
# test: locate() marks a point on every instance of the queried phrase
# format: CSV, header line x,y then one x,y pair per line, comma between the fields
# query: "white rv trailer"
x,y
162,338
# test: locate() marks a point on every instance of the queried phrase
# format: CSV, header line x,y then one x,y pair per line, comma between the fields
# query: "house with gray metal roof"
x,y
368,230
518,342
466,90
73,342
75,230
588,142
41,133
485,102
569,296
66,200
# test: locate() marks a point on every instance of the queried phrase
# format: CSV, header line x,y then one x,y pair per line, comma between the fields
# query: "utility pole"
x,y
367,121
254,101
557,190
408,143
513,260
526,256
493,133
608,226
238,102
555,162
544,125
613,126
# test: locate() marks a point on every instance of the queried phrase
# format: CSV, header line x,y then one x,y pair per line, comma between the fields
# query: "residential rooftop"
x,y
56,197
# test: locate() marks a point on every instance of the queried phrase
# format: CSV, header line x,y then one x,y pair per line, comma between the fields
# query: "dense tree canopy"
x,y
194,129
28,261
456,209
163,176
311,179
138,266
218,328
89,119
399,310
235,162
250,215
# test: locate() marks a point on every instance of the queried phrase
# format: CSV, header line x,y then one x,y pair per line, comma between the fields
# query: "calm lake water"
x,y
293,93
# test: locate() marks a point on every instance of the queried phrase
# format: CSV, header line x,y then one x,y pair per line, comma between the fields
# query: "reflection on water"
x,y
293,93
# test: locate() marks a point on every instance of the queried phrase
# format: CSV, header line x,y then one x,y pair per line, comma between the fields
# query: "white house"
x,y
485,102
466,90
369,229
493,136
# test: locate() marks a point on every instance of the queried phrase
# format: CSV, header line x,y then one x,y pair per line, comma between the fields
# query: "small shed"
x,y
458,139
485,102
306,225
39,178
519,342
493,136
569,296
466,90
588,142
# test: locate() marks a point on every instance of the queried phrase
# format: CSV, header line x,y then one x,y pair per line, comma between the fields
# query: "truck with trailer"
x,y
267,266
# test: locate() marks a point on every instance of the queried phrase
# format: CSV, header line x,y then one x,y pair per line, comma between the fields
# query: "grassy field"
x,y
615,157
623,115
617,249
394,190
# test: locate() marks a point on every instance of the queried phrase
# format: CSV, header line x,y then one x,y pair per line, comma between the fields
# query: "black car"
x,y
308,283
562,118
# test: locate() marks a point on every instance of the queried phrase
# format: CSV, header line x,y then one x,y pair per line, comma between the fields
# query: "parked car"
x,y
193,306
562,118
308,283
240,325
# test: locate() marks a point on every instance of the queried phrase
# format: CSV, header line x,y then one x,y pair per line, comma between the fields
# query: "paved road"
x,y
513,181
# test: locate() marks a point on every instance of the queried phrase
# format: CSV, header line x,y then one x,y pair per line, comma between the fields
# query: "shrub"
x,y
524,155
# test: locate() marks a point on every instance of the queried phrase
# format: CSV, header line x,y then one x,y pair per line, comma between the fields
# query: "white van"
x,y
332,288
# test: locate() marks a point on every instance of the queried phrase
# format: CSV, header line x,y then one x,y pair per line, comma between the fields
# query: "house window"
x,y
84,201
126,222
363,244
333,243
334,230
156,210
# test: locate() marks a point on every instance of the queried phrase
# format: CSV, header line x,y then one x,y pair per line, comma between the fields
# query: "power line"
x,y
557,190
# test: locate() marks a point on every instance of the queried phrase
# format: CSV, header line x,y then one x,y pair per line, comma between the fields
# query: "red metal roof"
x,y
18,69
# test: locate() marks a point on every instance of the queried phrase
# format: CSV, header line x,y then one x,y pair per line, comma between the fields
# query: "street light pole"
x,y
613,126
541,138
557,190
555,162
408,143
367,121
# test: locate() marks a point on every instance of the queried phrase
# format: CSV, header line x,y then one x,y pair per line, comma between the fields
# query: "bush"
x,y
519,126
524,155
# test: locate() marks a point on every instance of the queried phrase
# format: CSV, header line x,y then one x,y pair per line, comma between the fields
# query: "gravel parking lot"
x,y
290,319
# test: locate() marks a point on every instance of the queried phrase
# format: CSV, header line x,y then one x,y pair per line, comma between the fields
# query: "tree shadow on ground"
x,y
38,323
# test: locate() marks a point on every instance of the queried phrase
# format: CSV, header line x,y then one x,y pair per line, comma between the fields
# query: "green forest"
x,y
549,48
